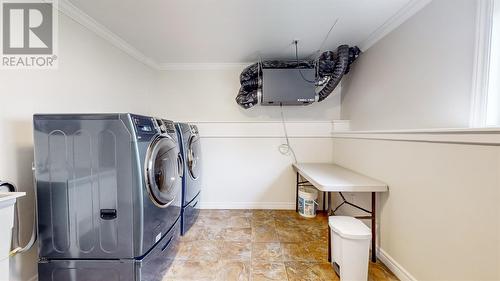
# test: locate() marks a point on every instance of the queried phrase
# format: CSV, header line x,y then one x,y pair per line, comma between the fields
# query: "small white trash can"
x,y
350,246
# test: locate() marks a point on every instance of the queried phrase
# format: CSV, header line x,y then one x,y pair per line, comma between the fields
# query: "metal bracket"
x,y
345,202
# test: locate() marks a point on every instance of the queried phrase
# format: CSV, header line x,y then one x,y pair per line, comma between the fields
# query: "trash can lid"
x,y
349,227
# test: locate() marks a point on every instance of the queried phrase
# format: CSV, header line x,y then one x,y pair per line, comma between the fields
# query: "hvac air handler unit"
x,y
298,82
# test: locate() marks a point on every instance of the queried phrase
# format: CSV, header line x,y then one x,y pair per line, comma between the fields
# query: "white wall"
x,y
242,165
245,173
244,168
209,95
93,76
440,219
418,76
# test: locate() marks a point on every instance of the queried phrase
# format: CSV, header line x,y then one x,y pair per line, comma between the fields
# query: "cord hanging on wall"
x,y
286,148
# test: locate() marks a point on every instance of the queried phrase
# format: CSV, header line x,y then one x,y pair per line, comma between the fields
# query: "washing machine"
x,y
192,179
109,193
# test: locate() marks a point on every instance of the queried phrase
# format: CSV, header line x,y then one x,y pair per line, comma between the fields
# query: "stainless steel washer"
x,y
192,179
109,192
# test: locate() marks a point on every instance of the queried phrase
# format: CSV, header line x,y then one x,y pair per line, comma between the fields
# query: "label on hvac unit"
x,y
158,237
305,100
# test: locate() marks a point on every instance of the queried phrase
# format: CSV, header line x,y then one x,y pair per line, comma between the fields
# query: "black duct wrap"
x,y
330,67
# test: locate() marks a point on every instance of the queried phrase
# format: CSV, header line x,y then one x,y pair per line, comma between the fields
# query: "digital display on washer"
x,y
145,128
144,125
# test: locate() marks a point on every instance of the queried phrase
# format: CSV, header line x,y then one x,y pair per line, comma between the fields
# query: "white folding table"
x,y
329,178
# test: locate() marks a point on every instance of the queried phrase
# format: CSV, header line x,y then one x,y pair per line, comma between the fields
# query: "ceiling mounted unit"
x,y
299,82
285,86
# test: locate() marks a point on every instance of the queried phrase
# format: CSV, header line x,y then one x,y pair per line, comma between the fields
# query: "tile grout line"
x,y
281,248
251,248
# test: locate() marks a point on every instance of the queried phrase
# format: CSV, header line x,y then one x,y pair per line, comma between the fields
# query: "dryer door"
x,y
162,172
193,157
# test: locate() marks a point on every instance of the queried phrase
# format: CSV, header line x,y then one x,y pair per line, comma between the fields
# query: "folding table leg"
x,y
324,201
329,212
374,231
297,194
329,244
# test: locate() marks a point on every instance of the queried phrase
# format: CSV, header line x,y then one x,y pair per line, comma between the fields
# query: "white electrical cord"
x,y
285,148
327,36
320,50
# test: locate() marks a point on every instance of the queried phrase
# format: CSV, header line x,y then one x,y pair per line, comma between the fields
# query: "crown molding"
x,y
203,66
70,10
393,22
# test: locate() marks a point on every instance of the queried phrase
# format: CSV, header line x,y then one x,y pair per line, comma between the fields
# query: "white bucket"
x,y
307,201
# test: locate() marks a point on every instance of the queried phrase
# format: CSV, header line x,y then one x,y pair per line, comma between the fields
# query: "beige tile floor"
x,y
257,245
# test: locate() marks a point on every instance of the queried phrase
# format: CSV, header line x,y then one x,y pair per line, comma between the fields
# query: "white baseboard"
x,y
34,278
394,266
248,205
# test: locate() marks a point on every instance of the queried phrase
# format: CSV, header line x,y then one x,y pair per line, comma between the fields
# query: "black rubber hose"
x,y
354,53
247,99
338,70
250,85
250,72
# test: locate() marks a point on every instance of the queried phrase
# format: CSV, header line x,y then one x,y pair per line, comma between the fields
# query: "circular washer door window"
x,y
162,171
193,157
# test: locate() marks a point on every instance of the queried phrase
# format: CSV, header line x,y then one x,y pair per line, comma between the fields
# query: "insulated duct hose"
x,y
330,66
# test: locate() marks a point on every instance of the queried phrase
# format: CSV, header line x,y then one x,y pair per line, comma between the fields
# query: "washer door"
x,y
193,157
162,172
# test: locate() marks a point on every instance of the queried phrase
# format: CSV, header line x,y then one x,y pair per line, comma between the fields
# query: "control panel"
x,y
161,126
194,129
144,125
170,125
